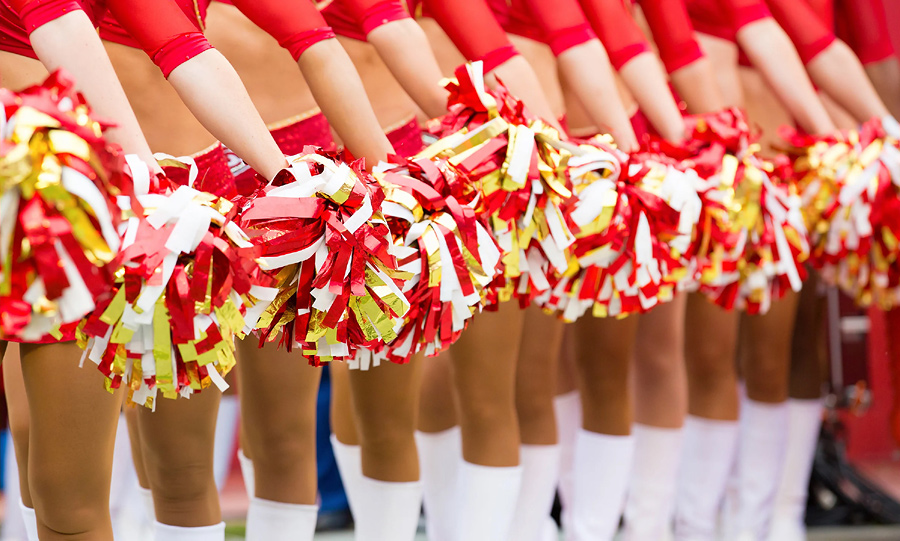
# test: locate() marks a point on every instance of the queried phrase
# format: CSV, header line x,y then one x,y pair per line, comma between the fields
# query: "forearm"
x,y
339,92
404,48
885,76
839,73
214,93
696,84
596,90
522,82
645,79
772,53
71,42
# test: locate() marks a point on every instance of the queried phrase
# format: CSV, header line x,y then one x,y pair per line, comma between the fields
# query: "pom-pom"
x,y
189,285
58,219
444,244
849,184
321,233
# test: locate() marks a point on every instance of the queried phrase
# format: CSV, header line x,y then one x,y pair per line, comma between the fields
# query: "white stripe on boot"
x,y
602,469
486,501
790,504
225,438
29,517
540,473
165,532
387,511
439,455
707,455
247,473
349,463
277,521
568,420
650,505
761,454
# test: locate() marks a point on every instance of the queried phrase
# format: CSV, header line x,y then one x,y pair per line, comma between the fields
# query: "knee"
x,y
284,451
767,381
178,482
488,417
68,503
709,368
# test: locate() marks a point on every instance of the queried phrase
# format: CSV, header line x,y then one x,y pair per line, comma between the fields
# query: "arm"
x,y
404,48
772,53
639,67
70,41
831,64
576,47
690,71
334,82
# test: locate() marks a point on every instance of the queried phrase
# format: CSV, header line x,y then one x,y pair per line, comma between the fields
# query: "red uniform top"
x,y
559,23
161,28
673,32
356,18
864,27
471,26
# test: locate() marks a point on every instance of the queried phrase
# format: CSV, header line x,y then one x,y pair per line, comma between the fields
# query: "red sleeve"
x,y
805,28
296,24
473,29
562,22
163,29
36,13
740,13
617,29
867,29
673,32
374,13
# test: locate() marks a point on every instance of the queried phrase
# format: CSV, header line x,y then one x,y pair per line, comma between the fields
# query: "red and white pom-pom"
x,y
631,233
188,287
321,234
851,194
58,220
451,253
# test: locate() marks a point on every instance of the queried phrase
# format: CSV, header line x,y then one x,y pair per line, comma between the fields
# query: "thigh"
x,y
710,337
19,418
343,423
767,350
485,357
72,436
536,375
386,397
437,403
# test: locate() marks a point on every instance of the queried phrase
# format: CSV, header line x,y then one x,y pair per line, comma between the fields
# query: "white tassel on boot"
x,y
790,504
278,521
761,454
439,455
165,532
225,438
486,502
707,455
386,511
540,473
650,505
247,473
602,469
568,420
29,517
349,462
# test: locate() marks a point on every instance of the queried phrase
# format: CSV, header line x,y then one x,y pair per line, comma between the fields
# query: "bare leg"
x,y
73,427
343,422
536,377
660,380
19,418
177,453
710,348
278,407
385,403
437,407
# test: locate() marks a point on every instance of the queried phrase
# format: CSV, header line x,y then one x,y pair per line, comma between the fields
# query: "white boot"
x,y
349,462
540,473
386,511
164,532
790,504
225,438
568,420
30,519
278,521
707,455
149,516
650,505
602,469
439,456
486,502
247,472
761,454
